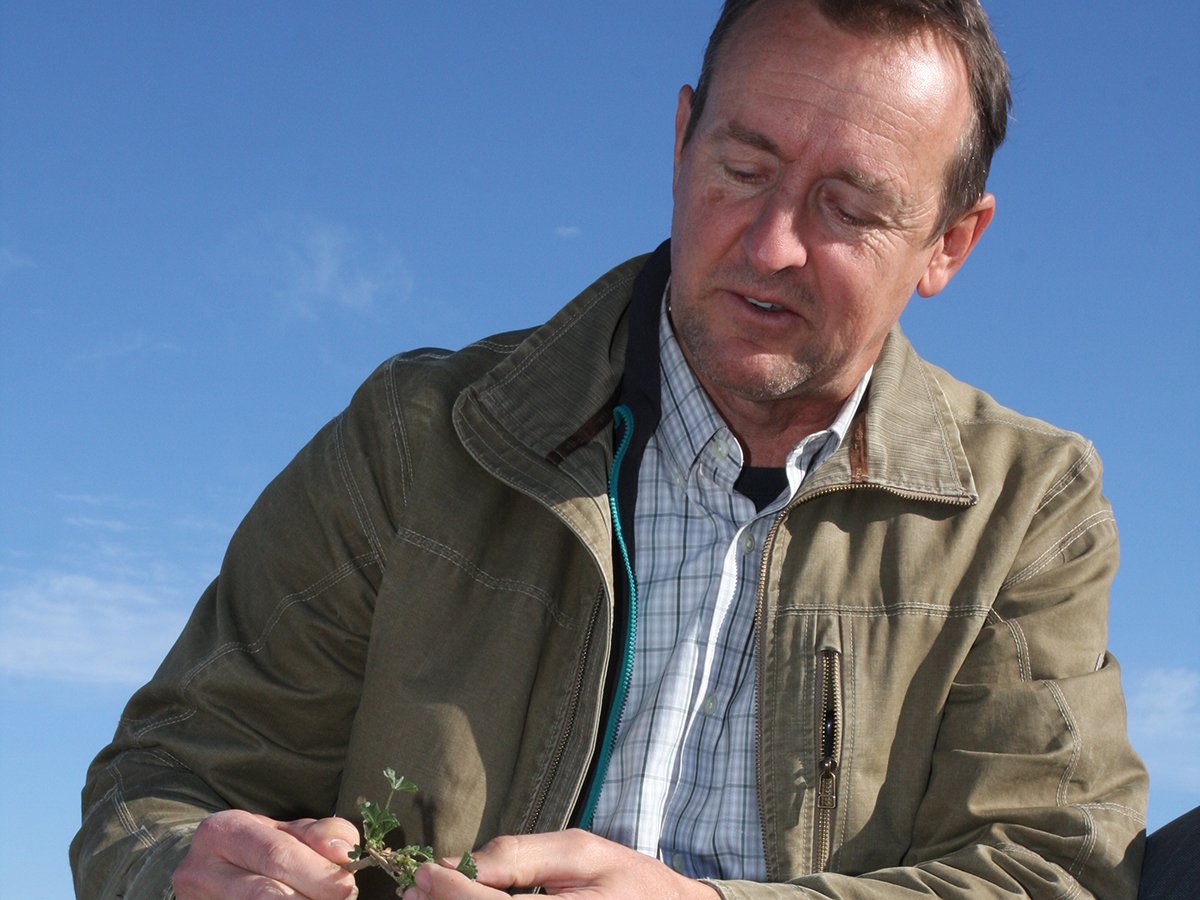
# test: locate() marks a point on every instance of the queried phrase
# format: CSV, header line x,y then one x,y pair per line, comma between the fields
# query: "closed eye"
x,y
744,176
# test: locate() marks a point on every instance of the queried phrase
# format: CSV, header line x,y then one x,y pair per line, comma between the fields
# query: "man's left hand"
x,y
572,864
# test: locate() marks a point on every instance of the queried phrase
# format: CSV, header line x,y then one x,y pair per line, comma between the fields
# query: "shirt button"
x,y
680,481
747,543
720,450
710,705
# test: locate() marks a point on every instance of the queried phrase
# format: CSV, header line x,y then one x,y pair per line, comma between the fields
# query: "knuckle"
x,y
504,844
276,859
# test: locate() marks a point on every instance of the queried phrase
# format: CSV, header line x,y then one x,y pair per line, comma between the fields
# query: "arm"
x,y
252,707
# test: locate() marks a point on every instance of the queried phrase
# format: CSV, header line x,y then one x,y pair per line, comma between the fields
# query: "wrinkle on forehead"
x,y
928,66
898,102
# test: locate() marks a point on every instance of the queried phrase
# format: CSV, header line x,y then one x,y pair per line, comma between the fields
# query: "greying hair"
x,y
962,21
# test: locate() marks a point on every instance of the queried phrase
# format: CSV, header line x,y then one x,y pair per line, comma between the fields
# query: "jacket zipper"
x,y
623,419
829,730
535,814
760,605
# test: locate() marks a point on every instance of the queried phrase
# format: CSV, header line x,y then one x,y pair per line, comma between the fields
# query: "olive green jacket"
x,y
429,586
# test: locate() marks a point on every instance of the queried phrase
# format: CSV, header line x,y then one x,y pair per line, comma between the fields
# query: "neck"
x,y
768,430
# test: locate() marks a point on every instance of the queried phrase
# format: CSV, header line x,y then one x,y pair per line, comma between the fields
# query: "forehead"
x,y
800,78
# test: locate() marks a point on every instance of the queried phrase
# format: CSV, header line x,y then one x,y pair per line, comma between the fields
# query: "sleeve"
x,y
253,706
1034,789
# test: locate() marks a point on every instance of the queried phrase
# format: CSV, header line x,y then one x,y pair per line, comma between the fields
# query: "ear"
x,y
683,115
951,250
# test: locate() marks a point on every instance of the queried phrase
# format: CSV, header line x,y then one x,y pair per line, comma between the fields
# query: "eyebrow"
x,y
877,187
744,135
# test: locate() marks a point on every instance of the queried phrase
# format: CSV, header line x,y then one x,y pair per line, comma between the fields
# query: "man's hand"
x,y
573,864
237,855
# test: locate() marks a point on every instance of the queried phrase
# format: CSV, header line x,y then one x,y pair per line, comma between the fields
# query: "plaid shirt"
x,y
682,784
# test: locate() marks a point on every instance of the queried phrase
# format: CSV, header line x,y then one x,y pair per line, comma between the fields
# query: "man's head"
x,y
811,183
961,21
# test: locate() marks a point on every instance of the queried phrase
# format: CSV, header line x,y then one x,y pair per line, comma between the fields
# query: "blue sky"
x,y
216,219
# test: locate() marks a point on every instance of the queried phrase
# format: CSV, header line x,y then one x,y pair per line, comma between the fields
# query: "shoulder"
x,y
995,435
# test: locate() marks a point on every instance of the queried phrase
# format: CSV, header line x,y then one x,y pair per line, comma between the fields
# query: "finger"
x,y
522,861
333,837
439,882
231,848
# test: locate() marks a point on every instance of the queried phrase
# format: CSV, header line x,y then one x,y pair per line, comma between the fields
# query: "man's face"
x,y
805,203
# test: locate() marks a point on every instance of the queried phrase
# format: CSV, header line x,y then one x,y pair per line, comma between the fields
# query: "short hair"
x,y
964,23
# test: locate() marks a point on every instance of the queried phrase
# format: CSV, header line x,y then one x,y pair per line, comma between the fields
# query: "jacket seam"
x,y
1045,430
863,612
456,559
927,377
1088,845
1020,644
1064,710
255,646
1047,557
356,500
1118,808
849,701
399,433
496,346
1080,466
1089,842
117,797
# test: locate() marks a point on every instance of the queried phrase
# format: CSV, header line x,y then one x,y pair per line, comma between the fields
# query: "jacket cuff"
x,y
753,890
152,881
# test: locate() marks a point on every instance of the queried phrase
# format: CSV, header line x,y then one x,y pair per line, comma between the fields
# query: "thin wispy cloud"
x,y
114,525
106,602
68,626
1164,725
314,267
567,232
111,501
127,345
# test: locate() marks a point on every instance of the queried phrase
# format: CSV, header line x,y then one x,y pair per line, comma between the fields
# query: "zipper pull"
x,y
827,789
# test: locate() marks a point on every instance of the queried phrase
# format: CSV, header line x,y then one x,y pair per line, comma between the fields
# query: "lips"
x,y
762,304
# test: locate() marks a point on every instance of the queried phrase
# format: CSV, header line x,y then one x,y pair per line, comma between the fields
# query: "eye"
x,y
843,210
741,175
851,219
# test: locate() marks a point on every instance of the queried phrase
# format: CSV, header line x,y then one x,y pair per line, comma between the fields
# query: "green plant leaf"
x,y
466,865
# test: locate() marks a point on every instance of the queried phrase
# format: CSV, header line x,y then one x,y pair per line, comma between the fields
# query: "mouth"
x,y
764,305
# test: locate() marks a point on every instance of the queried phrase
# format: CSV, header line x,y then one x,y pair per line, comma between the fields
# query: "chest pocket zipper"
x,y
829,732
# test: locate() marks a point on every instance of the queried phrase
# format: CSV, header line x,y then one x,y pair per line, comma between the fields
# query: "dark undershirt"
x,y
762,484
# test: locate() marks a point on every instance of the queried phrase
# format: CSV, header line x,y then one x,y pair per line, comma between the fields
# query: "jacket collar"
x,y
905,437
528,419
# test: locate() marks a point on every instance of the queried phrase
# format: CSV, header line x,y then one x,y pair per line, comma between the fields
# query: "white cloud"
x,y
313,266
1164,725
74,627
567,232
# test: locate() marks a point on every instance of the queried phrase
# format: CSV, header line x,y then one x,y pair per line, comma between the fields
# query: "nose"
x,y
771,240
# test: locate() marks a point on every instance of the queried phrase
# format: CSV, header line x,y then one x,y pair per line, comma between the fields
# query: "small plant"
x,y
378,822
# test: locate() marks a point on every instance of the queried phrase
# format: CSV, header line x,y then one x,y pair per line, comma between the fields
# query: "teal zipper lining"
x,y
622,419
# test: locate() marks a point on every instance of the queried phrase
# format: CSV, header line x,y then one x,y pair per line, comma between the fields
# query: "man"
x,y
711,564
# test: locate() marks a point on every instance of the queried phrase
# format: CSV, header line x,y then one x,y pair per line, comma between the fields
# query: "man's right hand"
x,y
236,855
